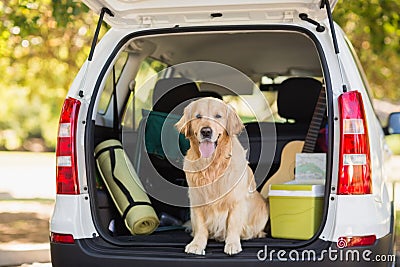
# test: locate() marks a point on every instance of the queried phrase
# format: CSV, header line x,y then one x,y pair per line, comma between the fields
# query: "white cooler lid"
x,y
297,190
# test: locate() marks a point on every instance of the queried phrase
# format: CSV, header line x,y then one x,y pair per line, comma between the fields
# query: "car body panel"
x,y
71,216
85,253
168,13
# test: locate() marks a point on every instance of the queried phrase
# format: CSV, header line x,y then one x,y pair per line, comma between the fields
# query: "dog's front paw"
x,y
261,235
232,248
195,248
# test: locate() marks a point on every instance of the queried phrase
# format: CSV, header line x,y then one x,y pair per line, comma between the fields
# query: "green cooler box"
x,y
295,210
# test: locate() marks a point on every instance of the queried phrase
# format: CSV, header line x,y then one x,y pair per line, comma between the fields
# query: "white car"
x,y
293,78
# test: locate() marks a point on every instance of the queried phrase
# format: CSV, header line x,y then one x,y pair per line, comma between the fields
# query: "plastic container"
x,y
295,210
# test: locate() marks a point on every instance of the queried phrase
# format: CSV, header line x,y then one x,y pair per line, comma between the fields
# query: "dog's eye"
x,y
198,116
218,116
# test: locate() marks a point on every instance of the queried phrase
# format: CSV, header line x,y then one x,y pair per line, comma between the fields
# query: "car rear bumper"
x,y
85,252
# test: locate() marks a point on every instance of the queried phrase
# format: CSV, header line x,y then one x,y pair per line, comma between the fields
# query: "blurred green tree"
x,y
42,45
374,30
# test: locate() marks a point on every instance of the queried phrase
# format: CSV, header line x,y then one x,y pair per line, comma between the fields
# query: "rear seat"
x,y
297,98
296,101
171,96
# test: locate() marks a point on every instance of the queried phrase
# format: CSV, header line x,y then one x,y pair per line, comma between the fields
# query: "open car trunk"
x,y
271,76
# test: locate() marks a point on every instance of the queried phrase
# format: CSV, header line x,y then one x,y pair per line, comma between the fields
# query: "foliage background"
x,y
42,45
44,42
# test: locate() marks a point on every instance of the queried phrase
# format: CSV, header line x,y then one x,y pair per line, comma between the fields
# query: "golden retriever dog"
x,y
225,204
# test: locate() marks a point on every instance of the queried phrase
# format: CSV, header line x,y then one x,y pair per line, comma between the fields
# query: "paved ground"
x,y
24,225
24,232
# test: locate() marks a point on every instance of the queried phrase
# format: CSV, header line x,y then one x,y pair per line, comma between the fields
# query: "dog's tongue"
x,y
207,149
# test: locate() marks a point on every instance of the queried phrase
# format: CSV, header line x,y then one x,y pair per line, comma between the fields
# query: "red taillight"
x,y
62,238
354,157
356,241
67,172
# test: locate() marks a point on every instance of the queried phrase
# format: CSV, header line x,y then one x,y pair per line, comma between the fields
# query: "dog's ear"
x,y
234,125
183,125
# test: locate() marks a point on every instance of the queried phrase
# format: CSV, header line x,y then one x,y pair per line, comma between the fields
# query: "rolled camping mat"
x,y
125,188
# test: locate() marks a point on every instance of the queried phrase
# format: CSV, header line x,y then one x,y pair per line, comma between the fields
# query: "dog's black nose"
x,y
206,132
